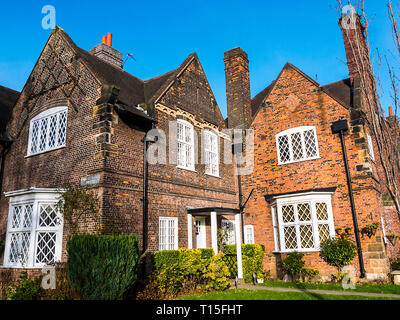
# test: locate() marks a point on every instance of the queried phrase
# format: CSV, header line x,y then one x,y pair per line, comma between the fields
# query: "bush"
x,y
395,263
253,256
184,271
216,274
25,288
293,264
102,267
338,252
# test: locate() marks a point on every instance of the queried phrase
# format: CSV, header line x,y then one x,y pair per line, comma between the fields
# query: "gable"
x,y
189,90
339,91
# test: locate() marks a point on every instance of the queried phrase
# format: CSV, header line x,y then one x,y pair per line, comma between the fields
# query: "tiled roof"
x,y
8,98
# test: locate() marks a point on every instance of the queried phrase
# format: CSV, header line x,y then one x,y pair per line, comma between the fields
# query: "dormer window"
x,y
297,144
48,131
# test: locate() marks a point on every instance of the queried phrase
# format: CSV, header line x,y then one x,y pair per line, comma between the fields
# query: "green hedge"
x,y
185,271
162,259
102,267
252,259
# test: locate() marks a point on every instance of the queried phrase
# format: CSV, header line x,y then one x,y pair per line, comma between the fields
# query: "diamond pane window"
x,y
290,237
288,213
284,150
34,232
304,212
168,233
297,144
185,145
46,247
211,160
48,131
303,222
322,211
306,236
48,215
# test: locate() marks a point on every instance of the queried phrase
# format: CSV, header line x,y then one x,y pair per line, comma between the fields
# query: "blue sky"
x,y
161,34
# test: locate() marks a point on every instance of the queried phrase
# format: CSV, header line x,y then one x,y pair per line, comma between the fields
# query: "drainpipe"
x,y
236,149
146,141
340,127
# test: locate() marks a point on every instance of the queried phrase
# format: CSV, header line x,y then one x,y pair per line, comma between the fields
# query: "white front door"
x,y
201,239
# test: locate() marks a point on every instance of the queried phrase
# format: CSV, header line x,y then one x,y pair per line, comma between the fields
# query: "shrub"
x,y
184,271
338,252
102,267
216,274
253,256
293,264
395,263
25,288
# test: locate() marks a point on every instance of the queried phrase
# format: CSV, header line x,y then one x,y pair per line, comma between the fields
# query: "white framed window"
x,y
34,229
302,222
48,131
370,147
185,145
168,233
228,229
211,153
297,144
249,234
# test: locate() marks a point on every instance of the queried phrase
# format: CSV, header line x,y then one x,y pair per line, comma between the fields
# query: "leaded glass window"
x,y
297,144
34,234
48,131
302,223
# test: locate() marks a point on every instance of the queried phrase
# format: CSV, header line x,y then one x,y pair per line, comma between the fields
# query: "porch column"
x,y
189,230
238,246
214,241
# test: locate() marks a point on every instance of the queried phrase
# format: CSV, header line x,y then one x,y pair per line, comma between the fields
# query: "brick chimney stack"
x,y
355,44
238,96
106,52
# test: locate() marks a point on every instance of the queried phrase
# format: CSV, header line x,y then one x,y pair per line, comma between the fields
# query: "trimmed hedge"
x,y
162,259
102,267
185,271
253,256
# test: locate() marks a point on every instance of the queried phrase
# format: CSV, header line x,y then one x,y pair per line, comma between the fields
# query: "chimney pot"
x,y
103,39
390,111
109,39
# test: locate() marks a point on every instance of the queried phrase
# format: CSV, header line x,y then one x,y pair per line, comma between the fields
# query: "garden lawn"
x,y
244,294
373,288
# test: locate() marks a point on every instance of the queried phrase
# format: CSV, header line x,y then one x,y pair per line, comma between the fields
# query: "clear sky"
x,y
161,34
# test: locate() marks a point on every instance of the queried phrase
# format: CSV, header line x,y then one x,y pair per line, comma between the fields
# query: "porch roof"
x,y
206,211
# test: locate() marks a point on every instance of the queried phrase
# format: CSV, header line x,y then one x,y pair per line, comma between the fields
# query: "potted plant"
x,y
370,229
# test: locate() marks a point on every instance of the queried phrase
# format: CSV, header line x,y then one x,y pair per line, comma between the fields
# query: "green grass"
x,y
243,294
373,288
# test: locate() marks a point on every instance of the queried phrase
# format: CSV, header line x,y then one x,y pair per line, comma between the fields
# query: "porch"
x,y
196,217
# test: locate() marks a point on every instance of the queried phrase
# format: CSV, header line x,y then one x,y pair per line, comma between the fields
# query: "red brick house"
x,y
82,119
300,188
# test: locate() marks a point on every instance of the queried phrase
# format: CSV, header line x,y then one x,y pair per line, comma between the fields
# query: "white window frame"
x,y
248,240
35,197
38,119
186,126
370,147
209,152
175,234
289,133
312,198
